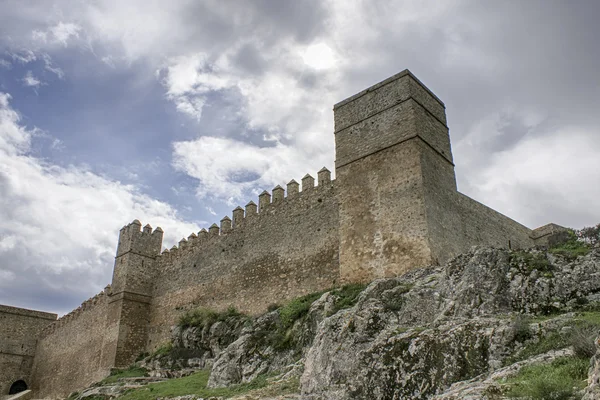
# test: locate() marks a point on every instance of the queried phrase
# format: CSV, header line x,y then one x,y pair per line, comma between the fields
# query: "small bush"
x,y
572,248
141,356
272,307
528,262
347,296
163,350
583,340
558,380
521,329
201,317
297,308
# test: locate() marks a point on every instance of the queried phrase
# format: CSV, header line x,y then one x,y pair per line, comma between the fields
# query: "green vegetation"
x,y
283,337
201,317
558,380
527,262
572,248
589,235
163,350
521,329
552,341
584,329
346,296
193,384
297,308
131,372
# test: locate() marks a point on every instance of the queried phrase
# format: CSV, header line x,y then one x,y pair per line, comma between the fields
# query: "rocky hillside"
x,y
491,324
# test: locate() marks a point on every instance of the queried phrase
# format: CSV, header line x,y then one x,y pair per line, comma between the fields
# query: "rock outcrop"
x,y
458,331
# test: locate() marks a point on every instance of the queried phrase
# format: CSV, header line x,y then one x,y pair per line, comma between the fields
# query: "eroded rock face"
x,y
593,387
438,331
413,336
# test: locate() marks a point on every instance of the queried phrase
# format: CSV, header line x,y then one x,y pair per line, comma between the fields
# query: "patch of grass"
x,y
527,262
558,380
297,308
552,341
194,384
201,317
131,372
346,296
572,248
585,328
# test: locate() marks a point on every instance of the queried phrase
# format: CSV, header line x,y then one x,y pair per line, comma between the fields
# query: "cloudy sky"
x,y
176,112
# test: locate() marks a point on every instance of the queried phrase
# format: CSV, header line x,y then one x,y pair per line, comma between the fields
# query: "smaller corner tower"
x,y
131,293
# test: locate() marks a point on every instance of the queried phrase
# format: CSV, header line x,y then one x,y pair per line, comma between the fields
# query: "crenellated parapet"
x,y
142,241
268,202
88,306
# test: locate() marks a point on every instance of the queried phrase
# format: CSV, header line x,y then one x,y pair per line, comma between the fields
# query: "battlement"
x,y
98,300
270,203
132,238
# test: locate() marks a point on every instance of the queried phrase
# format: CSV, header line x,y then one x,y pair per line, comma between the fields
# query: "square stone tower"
x,y
393,165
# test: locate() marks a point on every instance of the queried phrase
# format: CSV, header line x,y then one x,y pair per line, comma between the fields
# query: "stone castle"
x,y
393,207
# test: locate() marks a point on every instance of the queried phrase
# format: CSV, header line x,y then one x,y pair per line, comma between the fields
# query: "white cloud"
x,y
49,66
5,64
549,177
60,33
24,56
64,221
229,169
31,81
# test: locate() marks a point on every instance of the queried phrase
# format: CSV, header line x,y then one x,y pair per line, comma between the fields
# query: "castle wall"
x,y
393,207
19,332
383,231
70,353
287,250
456,222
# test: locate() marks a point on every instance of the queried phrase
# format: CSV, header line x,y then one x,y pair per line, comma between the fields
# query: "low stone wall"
x,y
19,332
74,351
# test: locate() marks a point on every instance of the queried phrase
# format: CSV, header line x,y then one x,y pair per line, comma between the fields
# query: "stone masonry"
x,y
19,332
393,207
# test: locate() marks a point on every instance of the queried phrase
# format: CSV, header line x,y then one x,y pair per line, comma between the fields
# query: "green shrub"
x,y
521,329
583,340
347,296
558,380
528,261
297,308
163,350
201,317
571,248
